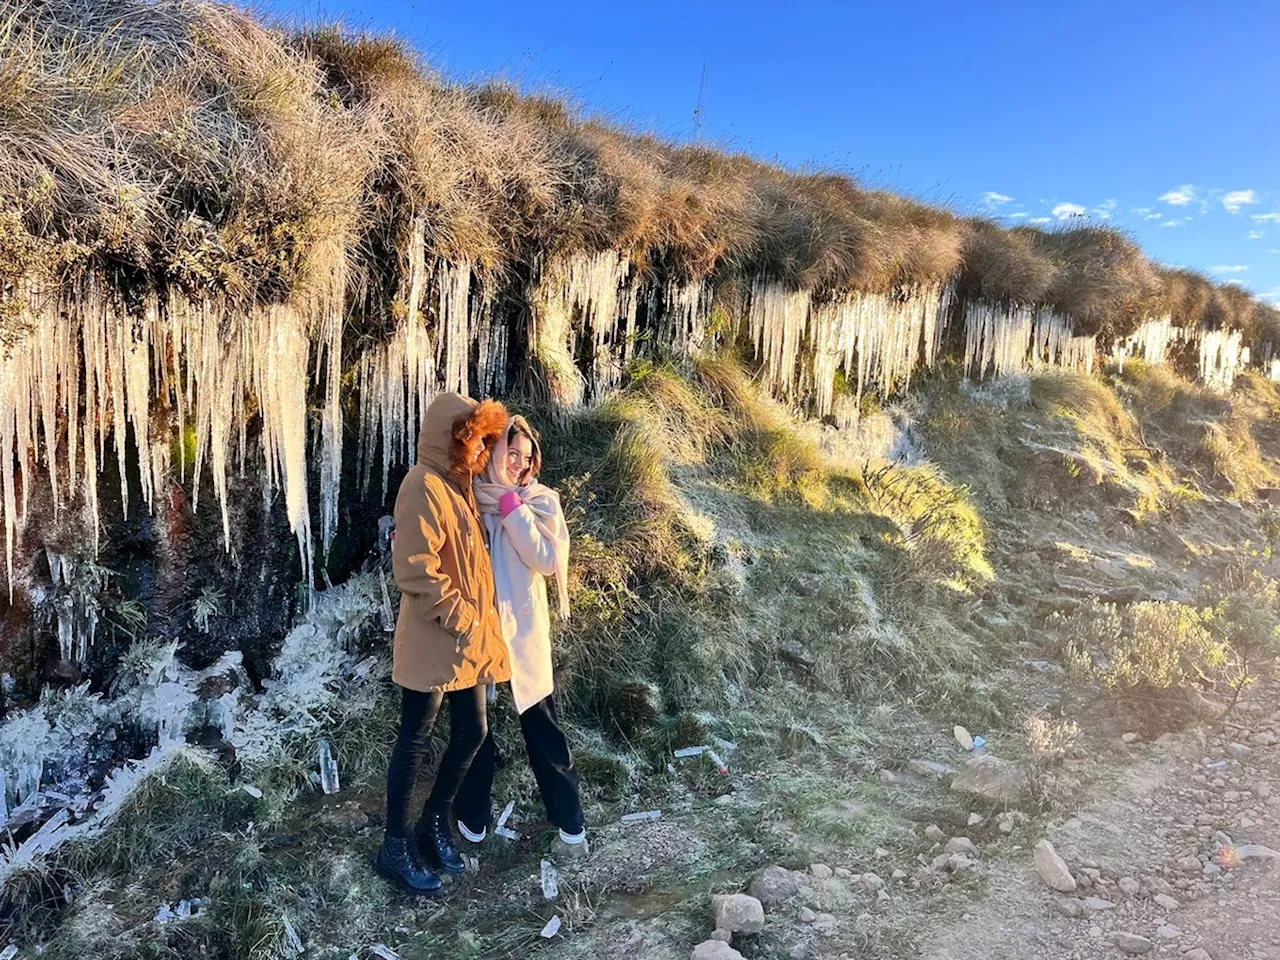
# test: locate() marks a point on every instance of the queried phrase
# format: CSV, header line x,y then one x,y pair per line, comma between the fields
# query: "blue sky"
x,y
1160,118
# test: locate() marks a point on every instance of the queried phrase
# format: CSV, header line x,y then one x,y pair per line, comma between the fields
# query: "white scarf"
x,y
542,500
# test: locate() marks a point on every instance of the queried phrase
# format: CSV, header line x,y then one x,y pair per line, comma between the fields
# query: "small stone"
x,y
714,950
1052,869
963,737
883,896
887,776
799,952
899,874
1256,851
992,779
1196,954
844,873
929,768
1212,870
1132,944
975,819
738,913
1262,791
1097,904
1221,838
820,871
723,935
1166,901
871,883
1129,886
806,915
1239,751
1167,931
881,853
775,884
964,846
1189,864
934,833
1071,907
1131,737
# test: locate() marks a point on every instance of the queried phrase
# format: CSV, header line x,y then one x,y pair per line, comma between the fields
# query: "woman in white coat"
x,y
528,545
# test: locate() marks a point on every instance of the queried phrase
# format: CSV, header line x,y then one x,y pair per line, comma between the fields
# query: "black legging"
x,y
467,730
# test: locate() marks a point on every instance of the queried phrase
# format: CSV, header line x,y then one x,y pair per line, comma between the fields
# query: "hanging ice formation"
x,y
593,293
1150,341
879,340
1222,354
103,370
779,320
1004,340
684,309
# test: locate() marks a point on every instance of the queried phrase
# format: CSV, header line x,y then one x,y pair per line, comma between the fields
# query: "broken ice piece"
x,y
720,764
963,737
251,790
689,752
671,769
550,880
11,951
506,814
184,910
549,931
1216,765
506,832
328,768
645,815
978,744
165,913
383,952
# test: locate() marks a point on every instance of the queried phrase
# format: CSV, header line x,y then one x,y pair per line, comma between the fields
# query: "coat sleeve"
x,y
415,560
536,551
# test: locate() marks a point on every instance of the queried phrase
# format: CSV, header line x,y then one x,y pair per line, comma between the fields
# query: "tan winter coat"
x,y
448,635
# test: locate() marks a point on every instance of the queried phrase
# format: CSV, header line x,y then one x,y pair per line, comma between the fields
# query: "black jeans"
x,y
468,730
552,767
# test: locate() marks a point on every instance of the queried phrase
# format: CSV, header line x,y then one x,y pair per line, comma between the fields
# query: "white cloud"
x,y
1105,209
1016,216
1265,217
1041,220
1236,199
1172,223
991,199
1253,235
1153,216
1180,197
1065,211
1273,251
1238,268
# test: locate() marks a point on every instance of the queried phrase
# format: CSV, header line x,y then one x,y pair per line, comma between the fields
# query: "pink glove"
x,y
509,503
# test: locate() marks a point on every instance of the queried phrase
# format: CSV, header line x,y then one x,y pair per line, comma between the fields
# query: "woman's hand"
x,y
509,503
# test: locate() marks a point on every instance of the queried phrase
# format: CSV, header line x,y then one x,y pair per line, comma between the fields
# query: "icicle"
x,y
1221,356
684,309
779,319
454,340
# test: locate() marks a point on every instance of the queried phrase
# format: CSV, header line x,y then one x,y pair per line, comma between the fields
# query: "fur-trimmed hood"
x,y
457,435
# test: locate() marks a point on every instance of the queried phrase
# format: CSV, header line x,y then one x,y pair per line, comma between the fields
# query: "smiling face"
x,y
515,466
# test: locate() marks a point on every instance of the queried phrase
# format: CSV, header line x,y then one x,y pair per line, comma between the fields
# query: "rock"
x,y
1131,737
775,884
1211,870
882,853
1132,944
899,874
870,882
1110,569
797,653
959,863
807,586
1166,901
799,952
1167,931
806,915
1097,904
1256,851
1189,864
1221,839
928,768
844,873
1239,751
883,896
934,833
887,776
714,950
963,846
719,934
738,913
820,871
1196,954
963,737
1071,907
992,779
1129,886
976,819
1051,868
1262,791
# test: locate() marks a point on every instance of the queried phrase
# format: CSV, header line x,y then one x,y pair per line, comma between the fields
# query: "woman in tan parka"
x,y
448,640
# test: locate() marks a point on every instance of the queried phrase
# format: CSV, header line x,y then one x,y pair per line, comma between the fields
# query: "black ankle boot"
x,y
398,862
435,842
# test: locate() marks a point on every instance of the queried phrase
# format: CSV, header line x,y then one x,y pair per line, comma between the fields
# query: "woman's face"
x,y
518,460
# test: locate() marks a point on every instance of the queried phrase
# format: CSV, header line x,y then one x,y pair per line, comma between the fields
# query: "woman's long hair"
x,y
521,427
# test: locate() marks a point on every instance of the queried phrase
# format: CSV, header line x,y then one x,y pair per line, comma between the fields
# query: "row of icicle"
x,y
91,369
